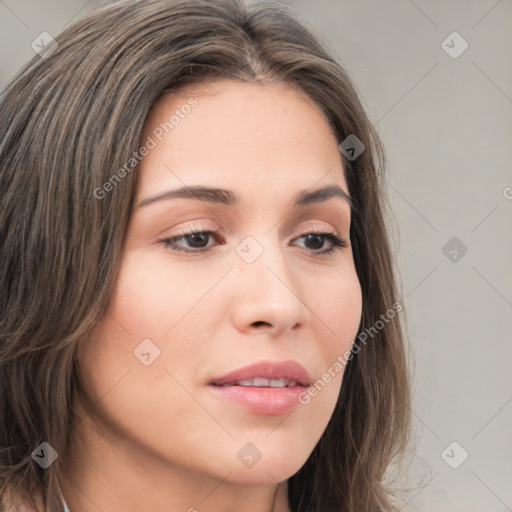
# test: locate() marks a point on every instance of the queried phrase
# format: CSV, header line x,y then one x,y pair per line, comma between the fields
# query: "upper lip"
x,y
290,370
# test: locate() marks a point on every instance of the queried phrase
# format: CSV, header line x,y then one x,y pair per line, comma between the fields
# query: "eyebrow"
x,y
229,198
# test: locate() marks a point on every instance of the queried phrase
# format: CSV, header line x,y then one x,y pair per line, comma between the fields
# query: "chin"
x,y
272,467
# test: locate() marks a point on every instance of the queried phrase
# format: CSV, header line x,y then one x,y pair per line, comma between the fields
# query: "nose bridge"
x,y
262,260
266,290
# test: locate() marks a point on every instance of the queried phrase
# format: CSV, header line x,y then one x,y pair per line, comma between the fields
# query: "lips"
x,y
266,374
266,388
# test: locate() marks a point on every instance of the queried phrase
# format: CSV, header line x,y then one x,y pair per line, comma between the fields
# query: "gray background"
x,y
445,122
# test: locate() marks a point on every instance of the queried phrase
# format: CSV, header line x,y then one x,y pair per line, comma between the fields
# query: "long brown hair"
x,y
74,116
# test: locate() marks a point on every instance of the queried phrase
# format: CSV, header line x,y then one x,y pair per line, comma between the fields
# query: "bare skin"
x,y
155,437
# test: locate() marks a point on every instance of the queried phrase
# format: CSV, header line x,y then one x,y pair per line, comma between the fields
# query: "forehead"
x,y
239,134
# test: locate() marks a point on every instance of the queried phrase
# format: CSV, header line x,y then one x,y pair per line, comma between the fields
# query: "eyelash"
x,y
337,243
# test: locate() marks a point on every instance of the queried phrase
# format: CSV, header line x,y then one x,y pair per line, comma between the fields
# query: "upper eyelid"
x,y
216,232
219,226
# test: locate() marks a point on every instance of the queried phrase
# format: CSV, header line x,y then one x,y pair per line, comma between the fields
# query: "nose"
x,y
267,295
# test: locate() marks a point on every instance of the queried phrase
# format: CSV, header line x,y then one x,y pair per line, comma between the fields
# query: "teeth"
x,y
264,383
247,382
280,383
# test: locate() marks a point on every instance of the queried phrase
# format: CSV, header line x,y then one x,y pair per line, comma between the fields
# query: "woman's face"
x,y
189,309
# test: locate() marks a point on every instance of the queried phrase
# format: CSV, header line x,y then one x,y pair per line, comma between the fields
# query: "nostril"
x,y
259,323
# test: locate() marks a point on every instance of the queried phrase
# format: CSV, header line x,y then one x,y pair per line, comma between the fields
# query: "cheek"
x,y
336,306
153,296
157,308
142,403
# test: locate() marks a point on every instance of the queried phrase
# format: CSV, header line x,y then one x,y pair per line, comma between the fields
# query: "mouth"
x,y
278,374
265,388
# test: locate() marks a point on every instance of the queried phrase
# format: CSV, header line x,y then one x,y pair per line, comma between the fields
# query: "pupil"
x,y
317,241
198,239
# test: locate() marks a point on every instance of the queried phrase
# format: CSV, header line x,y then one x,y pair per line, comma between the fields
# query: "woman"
x,y
199,308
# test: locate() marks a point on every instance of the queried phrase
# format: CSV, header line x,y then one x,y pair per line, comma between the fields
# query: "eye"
x,y
192,241
315,241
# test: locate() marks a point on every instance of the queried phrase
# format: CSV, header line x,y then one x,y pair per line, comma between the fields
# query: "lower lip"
x,y
267,401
